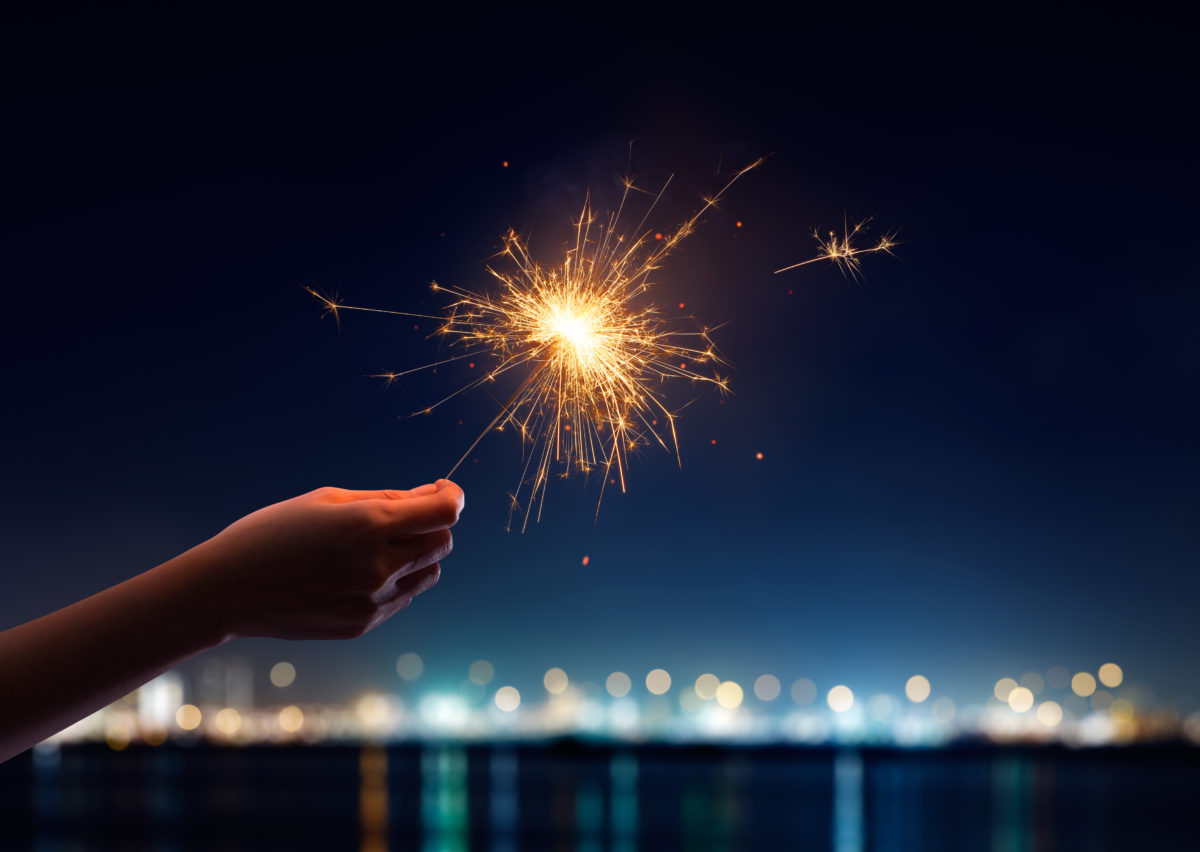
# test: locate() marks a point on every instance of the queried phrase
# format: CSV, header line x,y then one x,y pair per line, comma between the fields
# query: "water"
x,y
569,796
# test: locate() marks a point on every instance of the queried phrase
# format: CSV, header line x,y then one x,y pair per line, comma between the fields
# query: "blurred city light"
x,y
917,689
1032,709
658,681
282,674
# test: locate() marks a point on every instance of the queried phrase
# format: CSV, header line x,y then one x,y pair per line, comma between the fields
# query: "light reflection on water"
x,y
594,798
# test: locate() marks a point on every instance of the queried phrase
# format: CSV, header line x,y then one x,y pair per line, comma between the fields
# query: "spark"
x,y
593,357
843,250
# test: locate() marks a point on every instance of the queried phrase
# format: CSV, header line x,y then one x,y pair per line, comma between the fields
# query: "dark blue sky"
x,y
981,461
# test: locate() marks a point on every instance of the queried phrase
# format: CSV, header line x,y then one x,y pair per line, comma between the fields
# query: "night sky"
x,y
978,461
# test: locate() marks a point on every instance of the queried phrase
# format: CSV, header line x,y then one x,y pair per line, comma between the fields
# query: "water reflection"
x,y
595,798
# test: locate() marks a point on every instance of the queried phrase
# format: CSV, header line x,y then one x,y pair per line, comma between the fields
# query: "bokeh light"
x,y
1020,699
618,684
507,698
1083,684
1003,687
283,674
1121,711
879,707
1049,713
1111,675
188,717
229,721
555,681
944,711
1058,677
840,698
409,666
917,689
481,672
706,686
374,711
804,691
658,681
1033,682
118,735
291,719
767,687
729,694
1102,699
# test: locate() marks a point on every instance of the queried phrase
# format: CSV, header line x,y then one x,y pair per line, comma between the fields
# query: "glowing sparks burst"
x,y
845,249
594,360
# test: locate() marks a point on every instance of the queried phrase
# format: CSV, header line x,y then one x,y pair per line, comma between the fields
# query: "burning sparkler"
x,y
593,358
841,249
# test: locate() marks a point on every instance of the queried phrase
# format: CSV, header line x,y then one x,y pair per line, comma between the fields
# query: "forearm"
x,y
61,667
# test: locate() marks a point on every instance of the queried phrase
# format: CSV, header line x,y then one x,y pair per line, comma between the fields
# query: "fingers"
x,y
408,555
407,588
445,486
414,584
437,510
393,493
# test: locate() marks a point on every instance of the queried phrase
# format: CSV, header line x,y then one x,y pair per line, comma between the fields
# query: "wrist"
x,y
202,604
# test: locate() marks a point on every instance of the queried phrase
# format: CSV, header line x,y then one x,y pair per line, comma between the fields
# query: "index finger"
x,y
423,514
395,493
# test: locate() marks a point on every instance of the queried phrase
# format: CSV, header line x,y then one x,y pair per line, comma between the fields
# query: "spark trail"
x,y
844,251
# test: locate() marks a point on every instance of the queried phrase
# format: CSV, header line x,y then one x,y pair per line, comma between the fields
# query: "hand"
x,y
330,564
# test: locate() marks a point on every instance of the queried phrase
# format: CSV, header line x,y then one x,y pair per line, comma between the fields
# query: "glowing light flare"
x,y
592,355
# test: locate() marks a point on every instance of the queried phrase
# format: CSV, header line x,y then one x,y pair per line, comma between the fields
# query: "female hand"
x,y
329,564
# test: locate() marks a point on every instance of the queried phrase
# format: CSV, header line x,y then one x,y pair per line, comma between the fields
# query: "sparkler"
x,y
842,250
594,359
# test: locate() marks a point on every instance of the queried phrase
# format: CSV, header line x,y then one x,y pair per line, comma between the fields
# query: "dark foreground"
x,y
575,797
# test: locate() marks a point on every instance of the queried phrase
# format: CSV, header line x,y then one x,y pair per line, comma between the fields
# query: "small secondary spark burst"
x,y
841,249
594,359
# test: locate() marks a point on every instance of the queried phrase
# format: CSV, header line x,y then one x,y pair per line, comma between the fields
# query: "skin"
x,y
330,564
